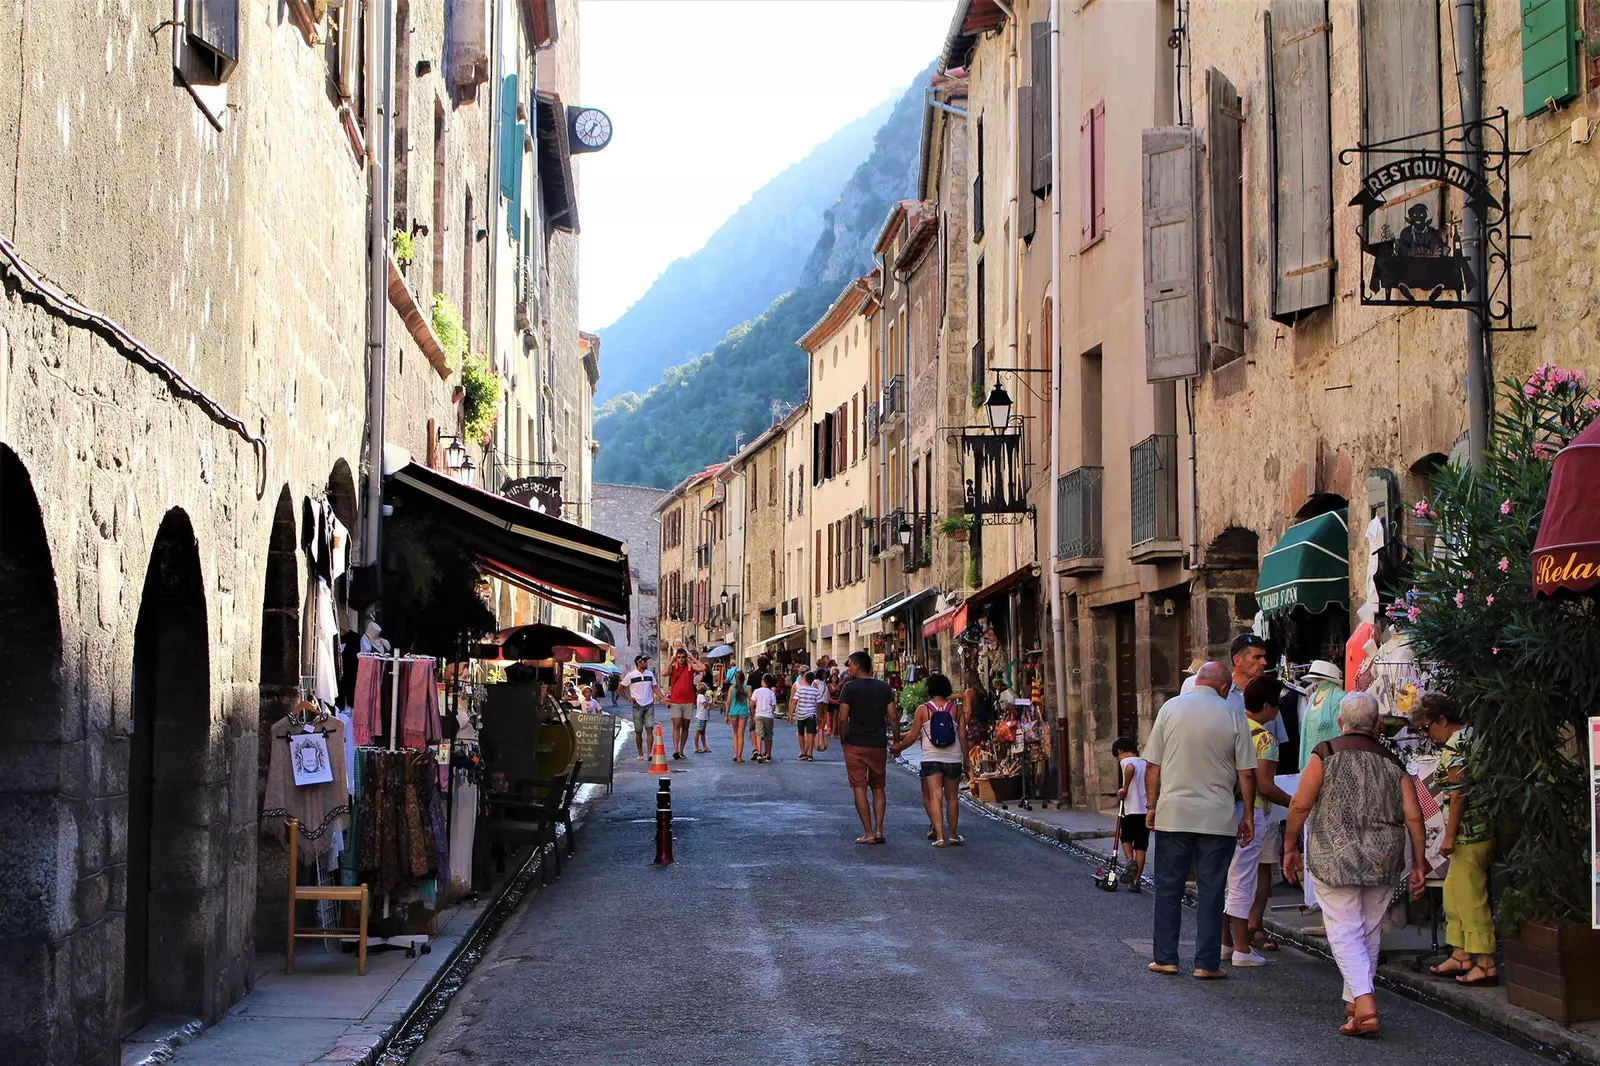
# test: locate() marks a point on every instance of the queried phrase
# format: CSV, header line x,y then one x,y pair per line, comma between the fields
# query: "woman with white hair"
x,y
1360,805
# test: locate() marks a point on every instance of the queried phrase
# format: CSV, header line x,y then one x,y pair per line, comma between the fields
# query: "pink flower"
x,y
1413,613
1592,404
1495,649
1421,509
1461,599
1505,507
1490,600
1504,564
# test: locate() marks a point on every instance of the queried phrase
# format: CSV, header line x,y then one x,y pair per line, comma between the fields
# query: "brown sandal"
x,y
1360,1025
1460,966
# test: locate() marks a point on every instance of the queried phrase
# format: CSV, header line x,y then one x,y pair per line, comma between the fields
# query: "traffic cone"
x,y
658,756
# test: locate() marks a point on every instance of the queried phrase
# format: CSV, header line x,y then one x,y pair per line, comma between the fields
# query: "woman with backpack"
x,y
938,725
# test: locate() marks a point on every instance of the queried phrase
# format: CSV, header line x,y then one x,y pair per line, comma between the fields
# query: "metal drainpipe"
x,y
380,133
880,260
1059,629
1014,250
1479,398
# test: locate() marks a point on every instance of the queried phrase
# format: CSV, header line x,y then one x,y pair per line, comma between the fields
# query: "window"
x,y
855,427
772,562
212,48
833,555
437,235
800,491
1092,159
772,480
817,577
978,346
864,402
469,252
977,187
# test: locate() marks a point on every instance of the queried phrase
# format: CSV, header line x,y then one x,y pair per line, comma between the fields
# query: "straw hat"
x,y
1323,670
1194,667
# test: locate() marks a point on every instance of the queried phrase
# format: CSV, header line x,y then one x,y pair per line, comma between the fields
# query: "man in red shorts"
x,y
867,713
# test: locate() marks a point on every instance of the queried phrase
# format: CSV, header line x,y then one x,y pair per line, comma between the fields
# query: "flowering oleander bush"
x,y
1526,671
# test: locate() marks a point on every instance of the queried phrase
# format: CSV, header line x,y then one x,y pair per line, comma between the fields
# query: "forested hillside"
x,y
696,413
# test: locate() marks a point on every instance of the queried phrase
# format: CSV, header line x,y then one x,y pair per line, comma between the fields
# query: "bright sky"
x,y
709,100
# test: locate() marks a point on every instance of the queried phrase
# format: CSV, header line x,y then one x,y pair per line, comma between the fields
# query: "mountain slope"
x,y
693,416
752,258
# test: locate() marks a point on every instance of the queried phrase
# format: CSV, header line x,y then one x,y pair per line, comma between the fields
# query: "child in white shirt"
x,y
702,715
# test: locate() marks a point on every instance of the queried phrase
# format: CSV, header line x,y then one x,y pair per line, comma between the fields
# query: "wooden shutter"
x,y
1224,159
1399,97
841,421
816,452
1025,200
1086,175
1550,37
510,153
1097,130
816,561
1301,146
833,556
1042,99
350,50
1171,253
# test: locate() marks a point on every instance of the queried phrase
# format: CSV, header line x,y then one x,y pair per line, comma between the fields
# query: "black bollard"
x,y
664,824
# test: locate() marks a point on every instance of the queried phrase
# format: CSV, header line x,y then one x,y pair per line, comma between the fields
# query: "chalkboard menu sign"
x,y
597,745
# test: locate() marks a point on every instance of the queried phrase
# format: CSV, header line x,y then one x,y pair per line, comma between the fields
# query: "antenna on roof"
x,y
738,441
780,410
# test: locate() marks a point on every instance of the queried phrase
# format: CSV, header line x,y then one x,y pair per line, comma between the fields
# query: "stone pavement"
x,y
1405,949
774,938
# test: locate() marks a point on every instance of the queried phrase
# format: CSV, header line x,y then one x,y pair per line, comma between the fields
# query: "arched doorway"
x,y
173,806
280,669
1226,605
342,496
37,873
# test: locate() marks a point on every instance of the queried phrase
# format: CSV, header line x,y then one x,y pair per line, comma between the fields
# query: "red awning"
x,y
942,621
1566,554
997,587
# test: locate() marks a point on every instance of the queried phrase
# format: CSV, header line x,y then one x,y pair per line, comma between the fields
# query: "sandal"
x,y
1460,966
1260,941
865,840
957,841
1490,978
940,844
879,840
1360,1025
1164,969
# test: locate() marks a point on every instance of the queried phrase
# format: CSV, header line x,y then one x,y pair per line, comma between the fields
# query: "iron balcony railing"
x,y
1078,503
872,422
1153,469
893,401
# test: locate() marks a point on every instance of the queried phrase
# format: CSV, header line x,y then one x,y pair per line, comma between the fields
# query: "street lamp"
x,y
464,473
455,453
998,406
904,533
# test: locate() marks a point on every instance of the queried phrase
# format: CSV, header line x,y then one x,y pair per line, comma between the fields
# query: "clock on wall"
x,y
589,129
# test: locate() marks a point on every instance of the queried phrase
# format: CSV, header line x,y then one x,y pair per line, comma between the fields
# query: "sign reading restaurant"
x,y
1422,168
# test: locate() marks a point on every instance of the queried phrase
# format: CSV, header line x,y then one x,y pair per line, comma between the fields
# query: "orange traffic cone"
x,y
658,755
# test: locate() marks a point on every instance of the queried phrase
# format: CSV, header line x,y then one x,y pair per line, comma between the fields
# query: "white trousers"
x,y
1353,915
1243,872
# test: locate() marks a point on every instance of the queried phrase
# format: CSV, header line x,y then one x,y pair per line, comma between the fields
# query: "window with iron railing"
x,y
1078,503
893,402
1153,478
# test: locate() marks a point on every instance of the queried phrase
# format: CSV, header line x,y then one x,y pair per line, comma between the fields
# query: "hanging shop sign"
x,y
1413,204
543,494
992,472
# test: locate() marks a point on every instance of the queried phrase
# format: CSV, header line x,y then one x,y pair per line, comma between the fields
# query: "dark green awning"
x,y
1309,567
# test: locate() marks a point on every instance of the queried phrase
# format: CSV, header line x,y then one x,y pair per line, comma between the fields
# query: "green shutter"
x,y
1549,53
510,140
519,131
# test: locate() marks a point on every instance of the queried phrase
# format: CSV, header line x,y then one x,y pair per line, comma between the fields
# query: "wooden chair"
x,y
529,814
338,893
564,814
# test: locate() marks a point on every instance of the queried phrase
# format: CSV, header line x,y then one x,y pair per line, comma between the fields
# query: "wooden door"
x,y
1127,674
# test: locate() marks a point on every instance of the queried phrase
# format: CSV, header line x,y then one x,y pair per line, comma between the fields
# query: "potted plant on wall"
x,y
956,527
1525,670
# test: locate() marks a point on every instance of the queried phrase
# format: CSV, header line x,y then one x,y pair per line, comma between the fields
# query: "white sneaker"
x,y
1249,958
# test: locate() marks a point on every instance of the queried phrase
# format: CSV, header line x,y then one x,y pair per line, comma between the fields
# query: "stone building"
x,y
839,350
627,512
756,471
795,612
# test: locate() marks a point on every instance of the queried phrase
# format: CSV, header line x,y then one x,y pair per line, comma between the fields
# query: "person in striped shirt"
x,y
806,697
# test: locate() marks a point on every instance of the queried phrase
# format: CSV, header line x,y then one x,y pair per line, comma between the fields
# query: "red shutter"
x,y
1086,174
1098,135
816,561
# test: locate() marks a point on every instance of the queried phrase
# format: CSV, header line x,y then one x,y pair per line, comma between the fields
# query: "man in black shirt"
x,y
867,713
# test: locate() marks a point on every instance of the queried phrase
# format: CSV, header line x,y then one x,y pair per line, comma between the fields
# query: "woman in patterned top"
x,y
1361,806
1469,926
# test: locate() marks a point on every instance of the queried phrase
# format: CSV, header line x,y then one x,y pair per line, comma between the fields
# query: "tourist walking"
x,y
865,722
682,675
702,716
738,712
1245,875
805,714
1360,805
939,724
642,693
1468,843
763,708
1198,747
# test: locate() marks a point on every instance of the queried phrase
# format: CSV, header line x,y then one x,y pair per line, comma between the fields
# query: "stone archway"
x,y
177,802
1226,605
38,867
280,669
342,496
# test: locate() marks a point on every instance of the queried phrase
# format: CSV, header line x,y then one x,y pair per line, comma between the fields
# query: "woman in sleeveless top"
x,y
738,712
941,764
1360,805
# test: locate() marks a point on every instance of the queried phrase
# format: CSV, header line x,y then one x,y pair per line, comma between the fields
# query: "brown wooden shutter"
x,y
1171,253
831,559
816,562
1025,133
1098,136
816,452
1400,97
1042,99
1224,158
1086,175
1301,146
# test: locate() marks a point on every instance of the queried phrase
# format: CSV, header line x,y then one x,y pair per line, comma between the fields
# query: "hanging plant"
x,y
969,573
405,249
1522,668
481,398
956,527
450,329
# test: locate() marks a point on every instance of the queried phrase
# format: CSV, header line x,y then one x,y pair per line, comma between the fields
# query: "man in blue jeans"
x,y
1198,749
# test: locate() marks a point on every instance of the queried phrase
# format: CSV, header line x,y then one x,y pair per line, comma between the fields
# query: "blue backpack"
x,y
941,727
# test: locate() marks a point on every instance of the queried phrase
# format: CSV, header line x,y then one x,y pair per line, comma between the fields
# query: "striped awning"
x,y
1309,567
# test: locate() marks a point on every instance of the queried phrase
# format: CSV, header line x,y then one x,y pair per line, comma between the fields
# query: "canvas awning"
x,y
893,604
945,620
561,562
994,588
1309,567
777,638
1566,553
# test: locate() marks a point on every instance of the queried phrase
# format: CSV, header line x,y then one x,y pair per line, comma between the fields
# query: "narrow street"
x,y
774,938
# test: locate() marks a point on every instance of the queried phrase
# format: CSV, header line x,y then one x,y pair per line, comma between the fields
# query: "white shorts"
x,y
1243,871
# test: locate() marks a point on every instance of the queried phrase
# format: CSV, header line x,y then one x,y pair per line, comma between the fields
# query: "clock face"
x,y
592,127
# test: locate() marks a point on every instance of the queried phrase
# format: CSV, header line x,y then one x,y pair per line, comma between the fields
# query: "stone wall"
x,y
627,513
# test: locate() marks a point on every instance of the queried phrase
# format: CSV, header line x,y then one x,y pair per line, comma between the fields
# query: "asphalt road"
x,y
776,939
